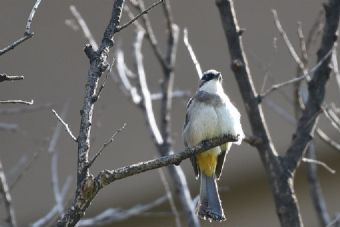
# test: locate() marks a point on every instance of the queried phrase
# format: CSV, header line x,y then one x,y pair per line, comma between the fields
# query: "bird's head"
x,y
211,81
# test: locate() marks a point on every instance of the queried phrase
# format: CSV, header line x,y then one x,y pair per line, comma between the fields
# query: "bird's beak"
x,y
220,77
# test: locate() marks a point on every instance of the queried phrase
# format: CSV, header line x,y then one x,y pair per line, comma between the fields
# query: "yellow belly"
x,y
207,162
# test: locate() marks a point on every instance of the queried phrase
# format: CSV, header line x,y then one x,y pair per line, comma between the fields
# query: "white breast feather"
x,y
207,121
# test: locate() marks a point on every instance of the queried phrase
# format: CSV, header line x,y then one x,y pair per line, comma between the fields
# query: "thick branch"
x,y
108,176
316,89
280,179
315,188
145,92
98,65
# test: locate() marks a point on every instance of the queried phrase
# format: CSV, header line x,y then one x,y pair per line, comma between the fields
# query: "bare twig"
x,y
86,31
27,35
150,35
54,159
303,46
333,118
30,18
192,53
306,75
328,140
132,16
5,77
15,43
286,39
67,128
112,215
17,101
329,169
170,198
107,143
119,28
4,191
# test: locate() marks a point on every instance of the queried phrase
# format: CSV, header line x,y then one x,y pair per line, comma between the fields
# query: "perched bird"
x,y
210,114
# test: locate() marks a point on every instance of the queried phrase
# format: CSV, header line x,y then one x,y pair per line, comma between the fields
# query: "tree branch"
x,y
280,180
119,28
91,186
192,54
108,176
150,34
112,138
27,35
315,188
286,40
170,198
306,75
144,90
86,31
30,18
98,64
67,128
5,77
4,191
17,101
316,89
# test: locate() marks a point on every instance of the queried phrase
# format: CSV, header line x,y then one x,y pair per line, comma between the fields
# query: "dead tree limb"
x,y
280,170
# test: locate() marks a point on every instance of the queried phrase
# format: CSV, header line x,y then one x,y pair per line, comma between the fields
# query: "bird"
x,y
210,114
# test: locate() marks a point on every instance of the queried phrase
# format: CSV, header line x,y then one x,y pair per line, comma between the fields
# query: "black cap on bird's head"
x,y
210,75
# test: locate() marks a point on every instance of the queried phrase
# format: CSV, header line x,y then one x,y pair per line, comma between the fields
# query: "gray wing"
x,y
221,158
193,158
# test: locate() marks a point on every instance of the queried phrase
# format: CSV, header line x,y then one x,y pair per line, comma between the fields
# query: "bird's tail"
x,y
209,206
